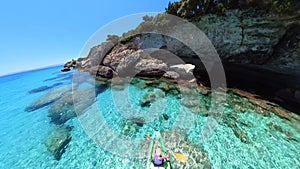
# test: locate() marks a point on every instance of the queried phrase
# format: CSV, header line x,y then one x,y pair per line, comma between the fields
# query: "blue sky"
x,y
40,33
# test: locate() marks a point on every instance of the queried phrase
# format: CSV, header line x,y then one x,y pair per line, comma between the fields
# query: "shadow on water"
x,y
100,88
281,87
61,77
8,78
43,88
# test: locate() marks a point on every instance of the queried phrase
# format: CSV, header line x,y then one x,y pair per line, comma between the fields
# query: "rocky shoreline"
x,y
260,55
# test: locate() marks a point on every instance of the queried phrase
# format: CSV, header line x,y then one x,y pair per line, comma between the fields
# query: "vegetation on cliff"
x,y
194,9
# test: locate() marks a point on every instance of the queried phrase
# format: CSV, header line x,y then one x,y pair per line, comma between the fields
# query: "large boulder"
x,y
171,75
140,63
57,140
151,67
114,58
97,53
184,70
68,65
126,66
65,69
83,63
101,71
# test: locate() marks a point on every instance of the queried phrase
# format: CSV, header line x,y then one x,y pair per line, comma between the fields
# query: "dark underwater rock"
x,y
138,120
281,113
57,140
237,131
166,117
264,106
49,98
147,99
129,127
61,76
241,135
43,88
167,86
289,135
151,97
63,109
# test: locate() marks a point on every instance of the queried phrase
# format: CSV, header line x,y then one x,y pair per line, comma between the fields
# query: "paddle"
x,y
178,156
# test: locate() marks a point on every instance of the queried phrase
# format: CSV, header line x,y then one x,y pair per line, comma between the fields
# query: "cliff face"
x,y
248,37
260,53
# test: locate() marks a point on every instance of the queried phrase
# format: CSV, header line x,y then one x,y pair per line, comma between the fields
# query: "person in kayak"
x,y
158,157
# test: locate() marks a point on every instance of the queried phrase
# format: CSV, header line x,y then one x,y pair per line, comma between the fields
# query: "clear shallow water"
x,y
23,133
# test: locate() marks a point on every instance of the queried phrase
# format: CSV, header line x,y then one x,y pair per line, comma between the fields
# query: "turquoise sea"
x,y
118,140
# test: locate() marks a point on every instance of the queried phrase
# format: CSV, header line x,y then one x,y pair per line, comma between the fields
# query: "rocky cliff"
x,y
260,53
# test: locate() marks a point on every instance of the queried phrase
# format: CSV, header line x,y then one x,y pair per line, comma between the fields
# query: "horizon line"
x,y
29,70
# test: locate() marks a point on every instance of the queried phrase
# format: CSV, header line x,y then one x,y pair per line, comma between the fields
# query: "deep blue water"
x,y
23,133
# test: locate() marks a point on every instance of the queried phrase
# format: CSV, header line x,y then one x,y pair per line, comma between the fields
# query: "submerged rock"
x,y
118,83
63,109
241,135
281,112
57,140
289,135
49,98
151,97
43,88
237,131
263,106
167,86
189,103
60,77
176,141
166,117
147,99
138,120
131,127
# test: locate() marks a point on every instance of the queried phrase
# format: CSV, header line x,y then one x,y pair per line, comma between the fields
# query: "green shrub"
x,y
281,6
194,9
113,38
125,39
